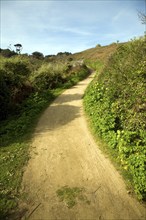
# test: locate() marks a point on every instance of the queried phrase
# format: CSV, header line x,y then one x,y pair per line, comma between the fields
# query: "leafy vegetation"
x,y
37,55
94,65
7,53
116,103
28,86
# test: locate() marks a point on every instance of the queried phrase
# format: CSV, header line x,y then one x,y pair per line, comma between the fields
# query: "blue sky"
x,y
57,26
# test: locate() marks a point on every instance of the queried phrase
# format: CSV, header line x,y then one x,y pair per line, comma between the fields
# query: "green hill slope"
x,y
100,53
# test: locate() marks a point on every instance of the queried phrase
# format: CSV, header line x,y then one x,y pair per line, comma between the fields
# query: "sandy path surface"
x,y
65,157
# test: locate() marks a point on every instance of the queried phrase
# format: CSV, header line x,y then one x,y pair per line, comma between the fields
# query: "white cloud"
x,y
49,26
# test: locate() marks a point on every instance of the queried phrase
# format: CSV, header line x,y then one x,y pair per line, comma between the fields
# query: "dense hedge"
x,y
20,76
116,104
14,86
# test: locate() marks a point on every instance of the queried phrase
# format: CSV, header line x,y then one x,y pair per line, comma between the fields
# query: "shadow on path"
x,y
68,98
57,116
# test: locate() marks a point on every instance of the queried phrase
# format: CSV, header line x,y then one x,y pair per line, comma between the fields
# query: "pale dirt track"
x,y
63,153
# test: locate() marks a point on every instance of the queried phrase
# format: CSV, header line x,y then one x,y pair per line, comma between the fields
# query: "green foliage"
x,y
12,159
63,54
7,53
49,76
52,75
116,103
95,65
14,86
21,75
37,55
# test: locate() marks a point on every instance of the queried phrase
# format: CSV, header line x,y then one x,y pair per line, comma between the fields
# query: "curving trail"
x,y
63,153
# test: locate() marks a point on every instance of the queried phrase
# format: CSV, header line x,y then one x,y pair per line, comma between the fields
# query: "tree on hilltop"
x,y
18,48
7,53
38,55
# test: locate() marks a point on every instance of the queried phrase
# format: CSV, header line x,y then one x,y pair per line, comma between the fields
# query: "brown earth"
x,y
100,53
68,177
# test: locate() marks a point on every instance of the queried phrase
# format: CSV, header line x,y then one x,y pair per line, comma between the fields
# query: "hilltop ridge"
x,y
98,53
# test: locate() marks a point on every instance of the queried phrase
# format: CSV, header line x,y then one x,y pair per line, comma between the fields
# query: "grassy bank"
x,y
116,105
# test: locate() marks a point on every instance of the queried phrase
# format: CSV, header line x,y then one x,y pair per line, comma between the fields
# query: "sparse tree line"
x,y
36,54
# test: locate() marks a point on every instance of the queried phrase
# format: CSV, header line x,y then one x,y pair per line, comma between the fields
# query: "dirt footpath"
x,y
67,177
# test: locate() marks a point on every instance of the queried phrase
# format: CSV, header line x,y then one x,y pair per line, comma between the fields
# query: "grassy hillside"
x,y
100,53
116,105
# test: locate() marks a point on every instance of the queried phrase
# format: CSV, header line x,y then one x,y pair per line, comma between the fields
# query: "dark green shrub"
x,y
38,55
48,76
14,85
7,53
16,68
